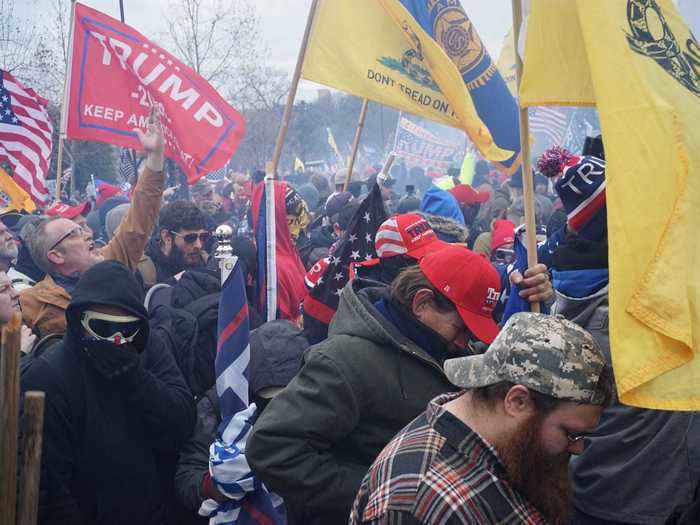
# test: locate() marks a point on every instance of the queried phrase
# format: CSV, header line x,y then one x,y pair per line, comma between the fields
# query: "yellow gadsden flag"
x,y
18,199
638,63
375,49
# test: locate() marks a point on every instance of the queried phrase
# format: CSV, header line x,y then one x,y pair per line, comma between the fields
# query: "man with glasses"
x,y
180,244
378,369
499,452
65,250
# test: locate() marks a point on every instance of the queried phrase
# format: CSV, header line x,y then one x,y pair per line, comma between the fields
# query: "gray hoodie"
x,y
639,465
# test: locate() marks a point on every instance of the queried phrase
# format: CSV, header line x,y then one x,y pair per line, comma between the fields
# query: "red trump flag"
x,y
116,74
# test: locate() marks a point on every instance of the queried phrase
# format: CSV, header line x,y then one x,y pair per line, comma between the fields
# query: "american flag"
x,y
25,135
127,165
217,175
248,501
549,122
358,245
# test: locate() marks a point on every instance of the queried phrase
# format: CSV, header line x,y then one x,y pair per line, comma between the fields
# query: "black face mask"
x,y
109,360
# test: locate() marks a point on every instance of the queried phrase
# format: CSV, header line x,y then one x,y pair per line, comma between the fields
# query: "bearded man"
x,y
8,248
499,452
180,244
65,250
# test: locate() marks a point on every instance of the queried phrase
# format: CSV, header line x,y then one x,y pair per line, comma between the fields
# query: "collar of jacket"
x,y
47,291
358,317
413,329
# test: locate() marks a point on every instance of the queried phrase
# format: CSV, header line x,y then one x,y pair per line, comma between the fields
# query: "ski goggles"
x,y
117,329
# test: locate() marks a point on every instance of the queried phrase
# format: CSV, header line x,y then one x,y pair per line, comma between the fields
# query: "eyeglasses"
x,y
117,329
191,238
75,232
504,255
575,437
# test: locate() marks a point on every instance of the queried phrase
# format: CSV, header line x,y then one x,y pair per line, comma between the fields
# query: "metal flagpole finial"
x,y
224,234
224,251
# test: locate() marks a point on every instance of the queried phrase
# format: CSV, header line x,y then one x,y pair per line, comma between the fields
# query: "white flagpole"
x,y
271,266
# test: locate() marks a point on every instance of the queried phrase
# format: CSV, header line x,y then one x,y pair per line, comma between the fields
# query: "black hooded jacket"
x,y
104,439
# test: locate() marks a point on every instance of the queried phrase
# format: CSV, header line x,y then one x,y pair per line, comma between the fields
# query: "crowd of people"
x,y
433,396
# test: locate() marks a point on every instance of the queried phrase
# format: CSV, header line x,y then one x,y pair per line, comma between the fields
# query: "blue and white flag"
x,y
249,501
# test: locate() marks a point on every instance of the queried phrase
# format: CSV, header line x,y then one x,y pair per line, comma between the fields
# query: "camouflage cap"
x,y
545,353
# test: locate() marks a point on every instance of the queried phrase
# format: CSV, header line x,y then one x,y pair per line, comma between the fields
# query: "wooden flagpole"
x,y
28,507
528,188
356,142
66,88
9,416
277,153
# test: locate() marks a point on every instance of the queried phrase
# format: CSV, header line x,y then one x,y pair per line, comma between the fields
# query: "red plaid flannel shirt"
x,y
439,471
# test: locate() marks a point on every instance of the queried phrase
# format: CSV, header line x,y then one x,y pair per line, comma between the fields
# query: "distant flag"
x,y
298,165
25,136
506,64
334,146
551,123
217,175
105,190
249,502
67,173
13,196
127,165
322,301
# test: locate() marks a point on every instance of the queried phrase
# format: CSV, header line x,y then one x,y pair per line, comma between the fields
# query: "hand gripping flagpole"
x,y
526,166
224,251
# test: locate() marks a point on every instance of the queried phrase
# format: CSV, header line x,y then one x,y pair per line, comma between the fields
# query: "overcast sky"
x,y
281,22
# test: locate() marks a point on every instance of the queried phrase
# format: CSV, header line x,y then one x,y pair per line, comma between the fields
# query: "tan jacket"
x,y
44,305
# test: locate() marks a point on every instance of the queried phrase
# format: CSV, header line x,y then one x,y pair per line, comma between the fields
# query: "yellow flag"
x,y
298,164
18,198
640,64
506,64
375,49
466,172
334,145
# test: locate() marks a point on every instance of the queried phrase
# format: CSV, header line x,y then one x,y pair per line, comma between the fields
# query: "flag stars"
x,y
367,217
15,120
335,260
338,292
338,277
368,257
368,237
4,99
353,237
355,255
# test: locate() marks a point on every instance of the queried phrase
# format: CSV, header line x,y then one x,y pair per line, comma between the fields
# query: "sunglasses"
x,y
75,232
191,238
504,254
117,329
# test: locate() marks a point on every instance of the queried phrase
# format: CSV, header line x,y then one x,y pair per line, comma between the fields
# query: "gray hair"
x,y
38,242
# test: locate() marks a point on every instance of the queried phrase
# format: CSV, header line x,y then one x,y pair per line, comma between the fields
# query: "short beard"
x,y
542,479
9,251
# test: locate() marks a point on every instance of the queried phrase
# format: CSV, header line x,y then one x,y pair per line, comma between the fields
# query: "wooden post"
x,y
9,415
528,189
277,153
356,142
28,509
64,106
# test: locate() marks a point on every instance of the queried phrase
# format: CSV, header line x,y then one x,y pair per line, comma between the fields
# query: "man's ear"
x,y
421,300
518,403
55,257
166,240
